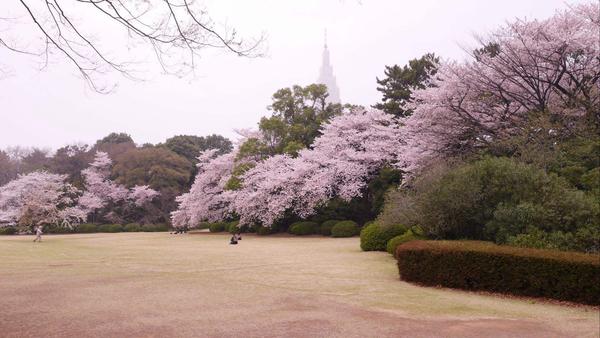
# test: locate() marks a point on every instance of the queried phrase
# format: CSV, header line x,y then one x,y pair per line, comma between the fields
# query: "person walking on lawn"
x,y
38,233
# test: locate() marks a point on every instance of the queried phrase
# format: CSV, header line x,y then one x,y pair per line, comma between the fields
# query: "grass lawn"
x,y
161,285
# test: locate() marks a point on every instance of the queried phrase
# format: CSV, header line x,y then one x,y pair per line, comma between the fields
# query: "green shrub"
x,y
203,225
8,231
345,229
110,228
585,239
232,227
408,236
56,229
304,228
132,227
374,237
473,265
264,231
158,227
217,227
86,228
490,199
325,228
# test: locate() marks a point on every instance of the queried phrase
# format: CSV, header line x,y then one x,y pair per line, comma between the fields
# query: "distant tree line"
x,y
167,167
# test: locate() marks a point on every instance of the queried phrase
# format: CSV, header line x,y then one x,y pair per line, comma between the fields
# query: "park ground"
x,y
197,285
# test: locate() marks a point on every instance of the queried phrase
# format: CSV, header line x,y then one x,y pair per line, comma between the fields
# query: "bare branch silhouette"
x,y
175,30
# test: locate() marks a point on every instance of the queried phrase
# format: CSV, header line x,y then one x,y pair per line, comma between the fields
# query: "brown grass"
x,y
161,285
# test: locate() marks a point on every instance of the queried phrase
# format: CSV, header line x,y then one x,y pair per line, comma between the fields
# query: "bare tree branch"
x,y
175,30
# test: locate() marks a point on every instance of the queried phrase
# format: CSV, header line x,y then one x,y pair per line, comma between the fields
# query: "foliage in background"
x,y
493,199
400,82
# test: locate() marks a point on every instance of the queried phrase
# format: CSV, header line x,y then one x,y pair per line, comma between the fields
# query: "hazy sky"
x,y
52,108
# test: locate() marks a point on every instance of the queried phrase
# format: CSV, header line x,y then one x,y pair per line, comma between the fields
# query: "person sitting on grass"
x,y
38,233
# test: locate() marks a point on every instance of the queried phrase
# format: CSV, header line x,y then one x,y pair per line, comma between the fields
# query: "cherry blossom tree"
x,y
207,199
350,150
39,198
545,66
102,192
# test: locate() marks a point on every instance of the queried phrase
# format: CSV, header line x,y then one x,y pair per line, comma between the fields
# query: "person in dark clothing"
x,y
233,239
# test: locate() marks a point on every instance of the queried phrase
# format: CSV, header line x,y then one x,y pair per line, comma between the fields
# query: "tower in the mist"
x,y
326,76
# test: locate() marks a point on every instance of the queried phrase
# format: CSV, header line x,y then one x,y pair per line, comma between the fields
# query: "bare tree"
x,y
174,30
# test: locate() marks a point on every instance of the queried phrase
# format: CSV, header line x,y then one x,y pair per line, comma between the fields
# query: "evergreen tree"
x,y
400,82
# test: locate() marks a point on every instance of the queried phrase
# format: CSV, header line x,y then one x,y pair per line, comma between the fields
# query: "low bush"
x,y
264,231
132,227
491,199
86,228
8,231
304,228
203,225
217,227
345,229
56,229
586,239
408,236
232,227
473,265
273,229
159,227
110,228
374,236
325,228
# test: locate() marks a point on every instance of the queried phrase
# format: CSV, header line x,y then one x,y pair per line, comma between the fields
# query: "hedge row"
x,y
374,237
473,265
304,228
345,229
88,228
325,228
131,227
408,236
335,228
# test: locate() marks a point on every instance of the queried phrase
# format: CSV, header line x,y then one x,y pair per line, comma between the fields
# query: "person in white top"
x,y
38,234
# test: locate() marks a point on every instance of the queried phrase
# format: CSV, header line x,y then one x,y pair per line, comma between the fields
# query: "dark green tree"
x,y
116,138
400,82
8,168
297,115
71,160
190,146
114,144
161,169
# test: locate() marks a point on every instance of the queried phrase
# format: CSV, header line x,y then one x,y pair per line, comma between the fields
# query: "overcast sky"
x,y
52,108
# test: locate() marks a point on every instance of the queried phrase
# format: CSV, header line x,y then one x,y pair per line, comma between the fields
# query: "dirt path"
x,y
160,285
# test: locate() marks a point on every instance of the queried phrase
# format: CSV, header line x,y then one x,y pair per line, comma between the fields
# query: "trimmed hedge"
x,y
110,228
325,228
345,229
304,228
217,227
160,227
232,227
473,265
203,225
265,231
408,236
86,228
374,237
132,227
8,230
